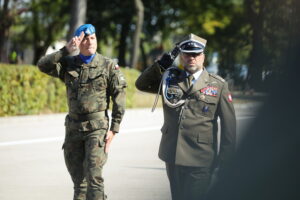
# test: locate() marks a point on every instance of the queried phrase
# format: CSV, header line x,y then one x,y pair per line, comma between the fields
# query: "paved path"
x,y
32,165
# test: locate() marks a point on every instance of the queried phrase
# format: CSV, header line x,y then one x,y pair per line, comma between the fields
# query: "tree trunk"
x,y
8,14
144,56
292,53
136,40
256,60
4,45
38,53
122,43
5,24
78,16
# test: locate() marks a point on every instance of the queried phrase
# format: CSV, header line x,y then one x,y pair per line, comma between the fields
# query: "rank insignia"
x,y
210,91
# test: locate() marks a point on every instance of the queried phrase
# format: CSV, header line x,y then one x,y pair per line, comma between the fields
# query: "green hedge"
x,y
25,90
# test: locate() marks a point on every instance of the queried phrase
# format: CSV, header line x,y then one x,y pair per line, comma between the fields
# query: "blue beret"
x,y
88,29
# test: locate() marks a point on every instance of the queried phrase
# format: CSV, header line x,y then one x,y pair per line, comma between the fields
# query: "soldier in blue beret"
x,y
92,82
193,100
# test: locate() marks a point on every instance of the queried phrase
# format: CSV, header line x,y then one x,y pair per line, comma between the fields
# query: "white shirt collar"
x,y
196,75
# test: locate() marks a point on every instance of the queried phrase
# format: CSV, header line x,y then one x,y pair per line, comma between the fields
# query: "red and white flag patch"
x,y
229,98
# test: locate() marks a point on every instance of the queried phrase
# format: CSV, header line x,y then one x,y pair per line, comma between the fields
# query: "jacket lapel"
x,y
201,82
183,82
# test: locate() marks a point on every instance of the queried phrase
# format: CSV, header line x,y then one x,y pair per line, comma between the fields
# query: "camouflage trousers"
x,y
85,157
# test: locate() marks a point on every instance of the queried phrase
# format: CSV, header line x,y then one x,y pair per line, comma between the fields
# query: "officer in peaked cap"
x,y
193,100
91,79
192,44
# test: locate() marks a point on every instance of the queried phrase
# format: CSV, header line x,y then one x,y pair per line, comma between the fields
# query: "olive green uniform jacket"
x,y
189,132
90,87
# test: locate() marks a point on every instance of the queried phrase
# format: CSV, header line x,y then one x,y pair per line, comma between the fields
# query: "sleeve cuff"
x,y
161,68
115,127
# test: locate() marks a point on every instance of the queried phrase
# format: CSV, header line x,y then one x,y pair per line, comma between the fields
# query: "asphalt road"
x,y
32,165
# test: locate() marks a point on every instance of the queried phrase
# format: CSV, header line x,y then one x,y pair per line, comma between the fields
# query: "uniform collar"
x,y
96,61
87,59
201,82
196,75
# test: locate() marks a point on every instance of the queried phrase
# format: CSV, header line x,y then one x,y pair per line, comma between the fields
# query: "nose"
x,y
191,57
88,41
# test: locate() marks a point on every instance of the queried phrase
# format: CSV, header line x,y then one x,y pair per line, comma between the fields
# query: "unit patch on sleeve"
x,y
117,67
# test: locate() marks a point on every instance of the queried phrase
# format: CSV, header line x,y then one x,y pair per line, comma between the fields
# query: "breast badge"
x,y
210,91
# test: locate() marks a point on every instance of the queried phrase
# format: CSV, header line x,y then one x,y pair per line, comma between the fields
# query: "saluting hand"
x,y
109,136
74,43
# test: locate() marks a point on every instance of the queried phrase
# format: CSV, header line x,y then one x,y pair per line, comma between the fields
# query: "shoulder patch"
x,y
217,77
117,67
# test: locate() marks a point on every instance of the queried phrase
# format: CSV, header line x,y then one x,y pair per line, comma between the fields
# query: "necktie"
x,y
190,80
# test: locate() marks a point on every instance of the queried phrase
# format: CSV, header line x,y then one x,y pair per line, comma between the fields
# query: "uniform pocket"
x,y
100,83
101,140
95,72
72,81
97,124
98,78
204,105
201,138
71,77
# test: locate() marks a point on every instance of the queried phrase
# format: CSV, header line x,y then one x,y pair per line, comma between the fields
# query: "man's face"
x,y
88,46
192,62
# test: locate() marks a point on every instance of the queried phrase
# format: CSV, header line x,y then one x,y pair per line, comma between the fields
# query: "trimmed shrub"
x,y
24,90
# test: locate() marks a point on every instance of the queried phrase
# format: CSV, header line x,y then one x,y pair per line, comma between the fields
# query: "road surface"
x,y
32,165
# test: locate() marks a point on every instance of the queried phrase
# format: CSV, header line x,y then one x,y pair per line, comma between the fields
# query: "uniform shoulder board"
x,y
217,77
109,63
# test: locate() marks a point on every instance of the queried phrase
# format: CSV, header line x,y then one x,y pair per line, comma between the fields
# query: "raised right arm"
x,y
149,80
52,64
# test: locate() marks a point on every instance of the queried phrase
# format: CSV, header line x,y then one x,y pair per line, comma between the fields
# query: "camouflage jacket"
x,y
89,86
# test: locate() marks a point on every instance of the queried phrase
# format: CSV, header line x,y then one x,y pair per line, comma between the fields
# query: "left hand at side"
x,y
109,136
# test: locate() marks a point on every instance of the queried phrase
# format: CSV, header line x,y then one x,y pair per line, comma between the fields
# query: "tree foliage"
x,y
272,32
45,24
9,15
258,34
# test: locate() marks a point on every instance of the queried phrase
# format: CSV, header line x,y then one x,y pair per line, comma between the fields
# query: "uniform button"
x,y
181,127
183,117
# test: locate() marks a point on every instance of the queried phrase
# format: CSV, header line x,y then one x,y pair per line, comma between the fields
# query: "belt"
x,y
86,117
